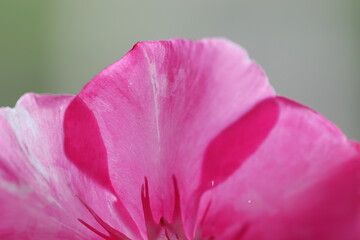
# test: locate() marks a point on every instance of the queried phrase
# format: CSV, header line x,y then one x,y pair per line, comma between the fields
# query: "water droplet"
x,y
249,201
212,183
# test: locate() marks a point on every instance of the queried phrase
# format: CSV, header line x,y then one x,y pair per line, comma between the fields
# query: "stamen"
x,y
205,213
177,218
170,230
93,229
114,234
152,228
198,233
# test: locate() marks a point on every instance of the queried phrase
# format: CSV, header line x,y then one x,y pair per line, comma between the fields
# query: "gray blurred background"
x,y
310,49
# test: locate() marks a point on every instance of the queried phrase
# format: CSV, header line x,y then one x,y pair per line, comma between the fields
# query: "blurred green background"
x,y
309,48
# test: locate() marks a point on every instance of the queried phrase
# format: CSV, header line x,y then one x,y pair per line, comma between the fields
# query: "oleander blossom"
x,y
179,139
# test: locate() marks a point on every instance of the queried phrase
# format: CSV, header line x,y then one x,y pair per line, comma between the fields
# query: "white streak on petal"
x,y
155,91
21,122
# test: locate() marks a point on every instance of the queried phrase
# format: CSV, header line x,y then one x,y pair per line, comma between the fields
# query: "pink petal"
x,y
83,143
301,183
158,108
236,143
39,187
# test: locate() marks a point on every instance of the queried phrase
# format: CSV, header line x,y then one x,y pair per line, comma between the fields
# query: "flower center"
x,y
163,230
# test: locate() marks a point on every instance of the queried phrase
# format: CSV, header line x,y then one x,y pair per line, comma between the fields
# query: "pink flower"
x,y
178,140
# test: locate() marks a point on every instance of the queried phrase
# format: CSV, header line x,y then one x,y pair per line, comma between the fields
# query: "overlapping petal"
x,y
301,183
157,110
40,189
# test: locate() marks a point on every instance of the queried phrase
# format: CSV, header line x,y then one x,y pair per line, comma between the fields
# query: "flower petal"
x,y
83,143
158,108
39,187
301,183
236,143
